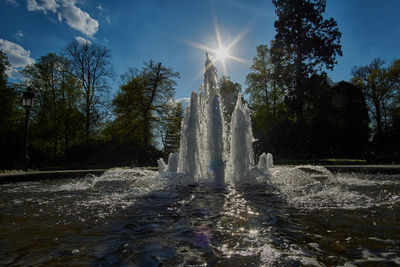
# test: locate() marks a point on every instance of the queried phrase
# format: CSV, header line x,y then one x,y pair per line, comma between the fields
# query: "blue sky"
x,y
165,30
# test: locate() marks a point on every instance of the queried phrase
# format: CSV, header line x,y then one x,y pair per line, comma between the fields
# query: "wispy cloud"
x,y
17,56
12,2
19,35
99,7
67,10
82,40
107,18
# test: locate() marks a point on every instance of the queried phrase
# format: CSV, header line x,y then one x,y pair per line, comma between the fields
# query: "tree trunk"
x,y
378,117
146,131
87,122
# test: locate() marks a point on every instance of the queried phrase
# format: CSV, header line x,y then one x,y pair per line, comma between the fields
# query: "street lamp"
x,y
28,98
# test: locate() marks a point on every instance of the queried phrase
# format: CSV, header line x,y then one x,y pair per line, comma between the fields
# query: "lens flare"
x,y
222,53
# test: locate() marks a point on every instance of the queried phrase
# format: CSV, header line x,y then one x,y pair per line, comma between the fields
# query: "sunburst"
x,y
222,53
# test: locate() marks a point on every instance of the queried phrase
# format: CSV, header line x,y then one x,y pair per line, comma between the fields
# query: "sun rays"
x,y
222,53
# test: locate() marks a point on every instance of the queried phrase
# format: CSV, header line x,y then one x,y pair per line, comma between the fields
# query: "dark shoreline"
x,y
14,177
30,176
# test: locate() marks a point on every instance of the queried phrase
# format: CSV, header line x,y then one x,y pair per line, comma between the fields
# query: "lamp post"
x,y
28,98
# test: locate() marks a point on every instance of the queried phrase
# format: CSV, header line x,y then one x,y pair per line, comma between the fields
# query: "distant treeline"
x,y
297,111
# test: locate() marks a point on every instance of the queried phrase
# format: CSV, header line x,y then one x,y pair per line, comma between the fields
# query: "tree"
x,y
263,84
229,92
128,105
57,92
142,103
379,85
337,117
159,89
11,119
90,65
311,40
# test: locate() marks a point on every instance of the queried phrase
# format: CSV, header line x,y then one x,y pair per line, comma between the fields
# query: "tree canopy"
x,y
91,67
311,41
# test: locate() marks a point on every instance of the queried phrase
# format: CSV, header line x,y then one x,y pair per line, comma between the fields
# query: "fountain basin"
x,y
136,217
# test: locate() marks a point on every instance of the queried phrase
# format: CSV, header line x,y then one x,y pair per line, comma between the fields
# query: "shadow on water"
x,y
165,229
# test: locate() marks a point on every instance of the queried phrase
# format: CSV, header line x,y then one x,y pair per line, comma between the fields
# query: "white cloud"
x,y
79,20
75,17
19,35
184,101
17,56
82,40
12,2
45,5
99,7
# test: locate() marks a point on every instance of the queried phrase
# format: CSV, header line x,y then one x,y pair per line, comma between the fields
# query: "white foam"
x,y
314,187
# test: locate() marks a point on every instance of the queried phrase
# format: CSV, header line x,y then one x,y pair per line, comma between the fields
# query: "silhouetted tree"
x,y
159,89
11,119
90,65
311,41
57,96
337,119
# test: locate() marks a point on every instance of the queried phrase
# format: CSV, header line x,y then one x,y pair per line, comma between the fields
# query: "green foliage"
x,y
141,106
56,120
229,92
129,104
263,83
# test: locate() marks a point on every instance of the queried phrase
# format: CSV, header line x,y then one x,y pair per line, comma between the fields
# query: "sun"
x,y
222,53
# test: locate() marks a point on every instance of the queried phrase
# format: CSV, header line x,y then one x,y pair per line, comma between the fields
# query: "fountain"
x,y
208,153
141,217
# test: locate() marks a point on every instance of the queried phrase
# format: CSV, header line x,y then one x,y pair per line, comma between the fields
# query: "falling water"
x,y
208,152
241,155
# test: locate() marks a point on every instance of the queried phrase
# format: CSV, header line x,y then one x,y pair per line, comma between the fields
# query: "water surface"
x,y
134,217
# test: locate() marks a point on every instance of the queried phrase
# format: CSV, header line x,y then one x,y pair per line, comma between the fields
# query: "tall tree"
x,y
57,112
159,89
128,105
90,64
143,99
11,119
264,83
313,42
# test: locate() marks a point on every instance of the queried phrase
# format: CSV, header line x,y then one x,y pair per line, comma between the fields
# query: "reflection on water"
x,y
134,217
